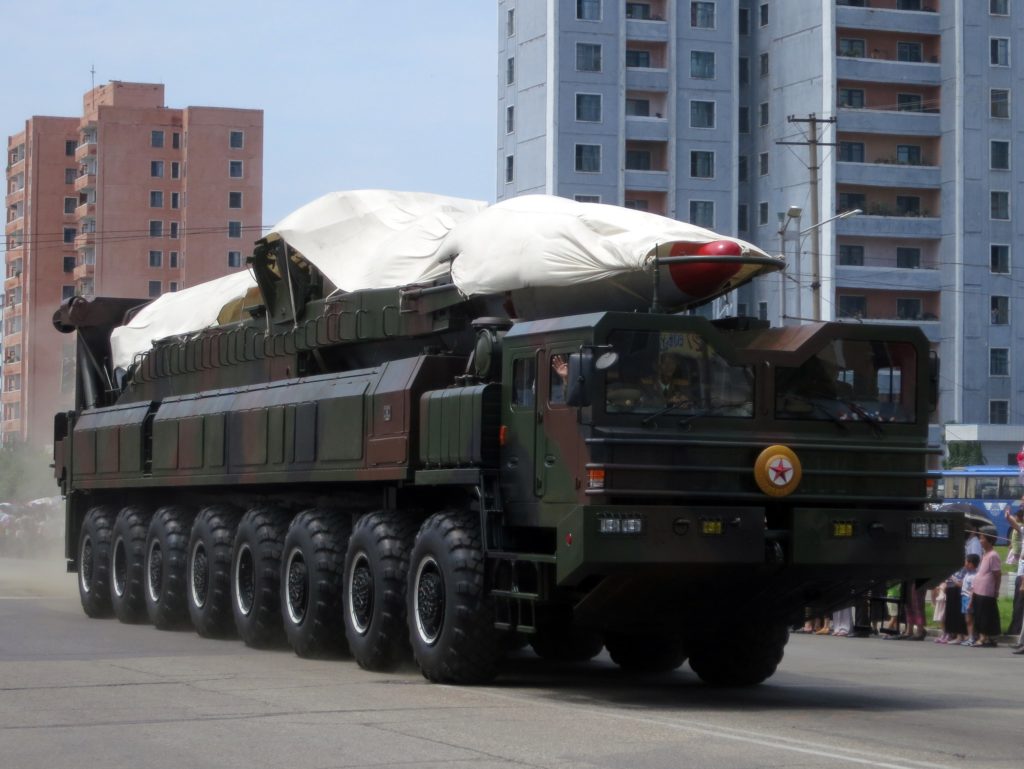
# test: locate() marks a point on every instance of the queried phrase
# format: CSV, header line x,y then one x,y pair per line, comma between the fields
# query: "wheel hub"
x,y
200,575
85,565
155,571
298,587
120,568
360,594
429,600
245,580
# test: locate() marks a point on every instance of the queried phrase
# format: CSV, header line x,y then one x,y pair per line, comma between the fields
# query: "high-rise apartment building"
x,y
131,199
725,113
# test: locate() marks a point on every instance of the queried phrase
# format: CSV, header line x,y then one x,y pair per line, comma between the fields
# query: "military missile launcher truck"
x,y
419,467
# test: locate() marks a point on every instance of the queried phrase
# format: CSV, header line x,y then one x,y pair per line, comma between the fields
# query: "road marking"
x,y
805,746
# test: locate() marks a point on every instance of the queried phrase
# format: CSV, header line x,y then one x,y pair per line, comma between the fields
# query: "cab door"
x,y
558,435
519,420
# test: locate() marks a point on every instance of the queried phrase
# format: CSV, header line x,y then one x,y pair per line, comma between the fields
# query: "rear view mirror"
x,y
581,368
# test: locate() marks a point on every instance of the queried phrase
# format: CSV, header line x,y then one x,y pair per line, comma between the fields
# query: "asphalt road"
x,y
95,693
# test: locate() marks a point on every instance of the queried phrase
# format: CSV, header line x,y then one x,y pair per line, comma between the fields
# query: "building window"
x,y
851,152
588,10
510,169
999,51
70,174
908,258
172,286
588,57
999,155
999,7
69,147
173,230
510,22
154,288
743,19
235,169
852,98
176,169
510,119
156,139
741,168
762,310
156,169
69,234
743,70
999,102
638,59
743,120
852,46
851,200
156,258
638,160
234,229
702,14
156,229
908,154
764,65
762,213
907,205
763,114
762,164
156,199
702,164
172,260
234,199
763,14
851,256
853,306
588,107
1000,205
999,412
909,102
234,259
906,5
174,199
999,259
636,204
587,198
999,361
1000,310
908,309
70,204
702,213
638,108
510,70
69,264
175,140
236,139
742,217
702,114
702,64
909,51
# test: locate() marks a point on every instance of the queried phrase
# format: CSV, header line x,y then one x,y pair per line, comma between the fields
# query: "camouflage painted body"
x,y
595,506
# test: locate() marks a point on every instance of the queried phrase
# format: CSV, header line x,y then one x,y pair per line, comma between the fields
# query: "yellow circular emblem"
x,y
777,471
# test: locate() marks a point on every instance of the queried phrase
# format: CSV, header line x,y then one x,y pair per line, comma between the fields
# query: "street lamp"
x,y
816,262
793,212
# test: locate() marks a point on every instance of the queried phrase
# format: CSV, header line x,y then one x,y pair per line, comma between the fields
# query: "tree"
x,y
963,453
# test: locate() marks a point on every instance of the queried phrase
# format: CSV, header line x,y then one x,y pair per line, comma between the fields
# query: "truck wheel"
x,y
166,556
311,575
209,571
256,576
376,573
567,643
94,561
128,564
743,658
645,653
451,617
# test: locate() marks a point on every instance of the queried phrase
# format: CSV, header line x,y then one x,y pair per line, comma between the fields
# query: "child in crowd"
x,y
966,594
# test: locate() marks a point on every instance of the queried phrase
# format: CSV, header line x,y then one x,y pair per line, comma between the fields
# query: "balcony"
x,y
889,71
888,175
85,239
871,225
646,129
893,278
889,19
83,271
86,181
86,210
931,328
647,79
647,30
889,121
646,181
85,150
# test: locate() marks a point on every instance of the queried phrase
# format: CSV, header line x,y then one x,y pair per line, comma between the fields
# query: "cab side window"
x,y
559,369
524,382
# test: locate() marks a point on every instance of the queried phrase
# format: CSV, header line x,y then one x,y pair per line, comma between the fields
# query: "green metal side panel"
x,y
247,438
213,440
190,443
165,445
83,444
107,454
458,426
275,435
340,424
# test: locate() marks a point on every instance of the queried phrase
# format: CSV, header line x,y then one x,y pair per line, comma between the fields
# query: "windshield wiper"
x,y
814,404
663,411
712,410
856,408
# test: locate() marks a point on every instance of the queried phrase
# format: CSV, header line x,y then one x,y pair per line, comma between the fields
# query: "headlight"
x,y
940,530
920,529
610,526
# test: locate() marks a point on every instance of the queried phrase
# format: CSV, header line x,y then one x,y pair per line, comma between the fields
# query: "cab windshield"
x,y
851,380
675,372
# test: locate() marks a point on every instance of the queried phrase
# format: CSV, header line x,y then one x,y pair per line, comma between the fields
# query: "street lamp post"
x,y
792,213
816,258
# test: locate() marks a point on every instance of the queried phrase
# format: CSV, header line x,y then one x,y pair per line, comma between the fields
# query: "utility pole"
x,y
812,145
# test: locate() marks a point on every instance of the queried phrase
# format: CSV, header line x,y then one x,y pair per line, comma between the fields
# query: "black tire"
x,y
741,658
166,560
311,575
128,564
645,653
376,575
567,643
209,571
256,577
94,561
451,617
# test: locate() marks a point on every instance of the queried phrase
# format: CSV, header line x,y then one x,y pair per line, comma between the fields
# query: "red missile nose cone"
x,y
701,279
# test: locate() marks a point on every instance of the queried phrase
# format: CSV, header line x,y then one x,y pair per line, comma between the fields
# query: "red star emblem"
x,y
780,471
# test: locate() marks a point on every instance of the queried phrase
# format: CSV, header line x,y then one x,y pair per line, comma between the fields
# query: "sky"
x,y
395,95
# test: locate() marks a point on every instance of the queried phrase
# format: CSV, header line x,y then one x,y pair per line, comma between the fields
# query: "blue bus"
x,y
989,488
